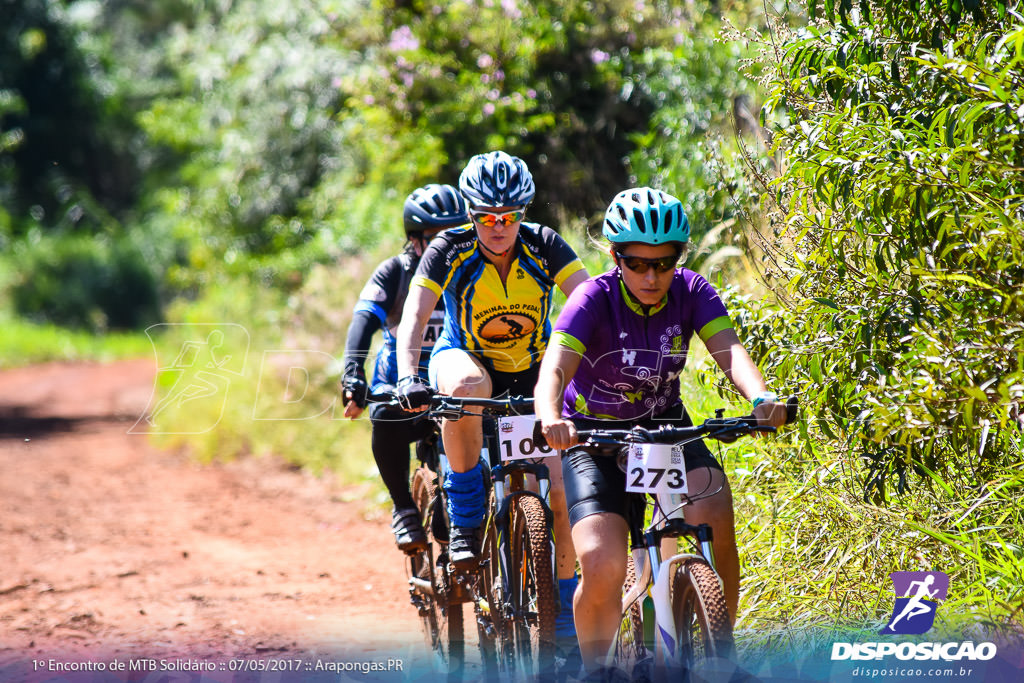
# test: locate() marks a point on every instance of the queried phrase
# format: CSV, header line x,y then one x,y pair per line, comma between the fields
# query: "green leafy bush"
x,y
900,225
896,227
92,283
705,86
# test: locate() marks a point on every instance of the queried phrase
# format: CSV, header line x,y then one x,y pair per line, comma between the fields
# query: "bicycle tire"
x,y
533,594
442,623
490,623
700,613
630,648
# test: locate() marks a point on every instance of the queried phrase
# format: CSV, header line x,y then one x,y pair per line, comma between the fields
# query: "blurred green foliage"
x,y
65,138
88,282
253,138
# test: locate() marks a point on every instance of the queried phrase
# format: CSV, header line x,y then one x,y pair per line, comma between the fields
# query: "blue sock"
x,y
564,625
467,500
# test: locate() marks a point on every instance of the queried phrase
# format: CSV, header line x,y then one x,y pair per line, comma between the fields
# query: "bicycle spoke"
x,y
442,624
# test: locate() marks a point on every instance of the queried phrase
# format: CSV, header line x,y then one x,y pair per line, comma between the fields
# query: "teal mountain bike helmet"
x,y
647,216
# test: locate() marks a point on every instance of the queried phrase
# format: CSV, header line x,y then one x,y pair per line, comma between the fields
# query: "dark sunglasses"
x,y
641,265
489,219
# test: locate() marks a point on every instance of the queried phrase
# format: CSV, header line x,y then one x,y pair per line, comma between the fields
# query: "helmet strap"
x,y
501,254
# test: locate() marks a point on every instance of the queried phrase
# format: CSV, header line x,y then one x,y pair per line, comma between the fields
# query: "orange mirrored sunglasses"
x,y
489,219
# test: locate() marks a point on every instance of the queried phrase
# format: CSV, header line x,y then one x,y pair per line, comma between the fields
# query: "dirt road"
x,y
111,550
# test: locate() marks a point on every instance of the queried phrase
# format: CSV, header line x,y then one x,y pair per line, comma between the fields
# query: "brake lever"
x,y
732,433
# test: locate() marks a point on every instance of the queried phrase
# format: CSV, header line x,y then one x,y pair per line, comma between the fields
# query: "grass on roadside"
x,y
280,388
24,343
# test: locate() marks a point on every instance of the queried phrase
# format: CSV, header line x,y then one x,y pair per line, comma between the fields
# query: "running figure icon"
x,y
200,373
918,595
915,606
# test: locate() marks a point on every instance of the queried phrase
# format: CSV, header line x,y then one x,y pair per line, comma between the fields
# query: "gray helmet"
x,y
434,206
497,179
646,215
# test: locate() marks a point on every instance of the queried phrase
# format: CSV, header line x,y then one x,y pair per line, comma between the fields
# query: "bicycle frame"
x,y
655,574
658,576
508,486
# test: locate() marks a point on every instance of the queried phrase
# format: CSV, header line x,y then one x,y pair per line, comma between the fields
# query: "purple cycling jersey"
x,y
631,359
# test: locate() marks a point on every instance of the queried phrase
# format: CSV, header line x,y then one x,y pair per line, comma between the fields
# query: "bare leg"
x,y
716,511
600,542
459,374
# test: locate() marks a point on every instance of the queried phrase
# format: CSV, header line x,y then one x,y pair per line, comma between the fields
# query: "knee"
x,y
716,510
603,572
468,386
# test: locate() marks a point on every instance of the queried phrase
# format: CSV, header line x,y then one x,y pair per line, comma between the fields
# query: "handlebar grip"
x,y
791,409
538,435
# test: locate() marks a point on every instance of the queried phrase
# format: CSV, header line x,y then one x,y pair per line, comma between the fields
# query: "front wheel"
x,y
532,587
700,613
631,653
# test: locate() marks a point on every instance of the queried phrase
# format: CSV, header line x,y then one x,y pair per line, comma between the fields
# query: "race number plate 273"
x,y
655,468
515,438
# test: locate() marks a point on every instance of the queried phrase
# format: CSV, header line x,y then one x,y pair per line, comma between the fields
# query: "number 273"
x,y
674,477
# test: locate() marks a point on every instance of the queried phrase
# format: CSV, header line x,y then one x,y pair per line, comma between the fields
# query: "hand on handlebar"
x,y
772,414
413,395
560,434
354,393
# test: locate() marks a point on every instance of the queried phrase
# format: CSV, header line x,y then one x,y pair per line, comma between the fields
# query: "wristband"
x,y
762,397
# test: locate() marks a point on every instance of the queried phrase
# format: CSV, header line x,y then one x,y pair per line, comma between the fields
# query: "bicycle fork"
x,y
667,649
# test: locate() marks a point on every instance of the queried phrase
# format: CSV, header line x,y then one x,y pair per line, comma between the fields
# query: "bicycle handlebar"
x,y
720,428
454,407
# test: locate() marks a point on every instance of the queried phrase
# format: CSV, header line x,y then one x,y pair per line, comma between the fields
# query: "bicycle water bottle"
x,y
647,606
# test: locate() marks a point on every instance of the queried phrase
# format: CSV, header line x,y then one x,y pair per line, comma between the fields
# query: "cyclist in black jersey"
x,y
428,211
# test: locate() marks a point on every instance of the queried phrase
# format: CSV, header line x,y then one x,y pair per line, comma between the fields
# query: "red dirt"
x,y
113,550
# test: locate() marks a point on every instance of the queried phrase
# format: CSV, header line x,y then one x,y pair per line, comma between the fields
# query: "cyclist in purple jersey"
x,y
619,346
632,357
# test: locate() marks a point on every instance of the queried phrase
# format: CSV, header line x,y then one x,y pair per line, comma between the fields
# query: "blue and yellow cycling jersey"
x,y
505,324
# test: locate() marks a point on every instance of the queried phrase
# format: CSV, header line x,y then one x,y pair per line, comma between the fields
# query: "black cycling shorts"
x,y
594,483
514,383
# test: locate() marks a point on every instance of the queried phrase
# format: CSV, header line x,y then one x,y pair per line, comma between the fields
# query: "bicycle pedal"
x,y
422,610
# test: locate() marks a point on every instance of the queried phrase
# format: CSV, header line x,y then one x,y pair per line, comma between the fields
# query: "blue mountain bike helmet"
x,y
497,179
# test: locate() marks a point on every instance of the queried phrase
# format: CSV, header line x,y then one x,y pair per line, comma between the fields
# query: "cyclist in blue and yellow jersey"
x,y
618,349
427,211
496,278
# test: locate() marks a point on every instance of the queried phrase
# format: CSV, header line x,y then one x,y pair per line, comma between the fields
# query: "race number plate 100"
x,y
515,438
655,468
